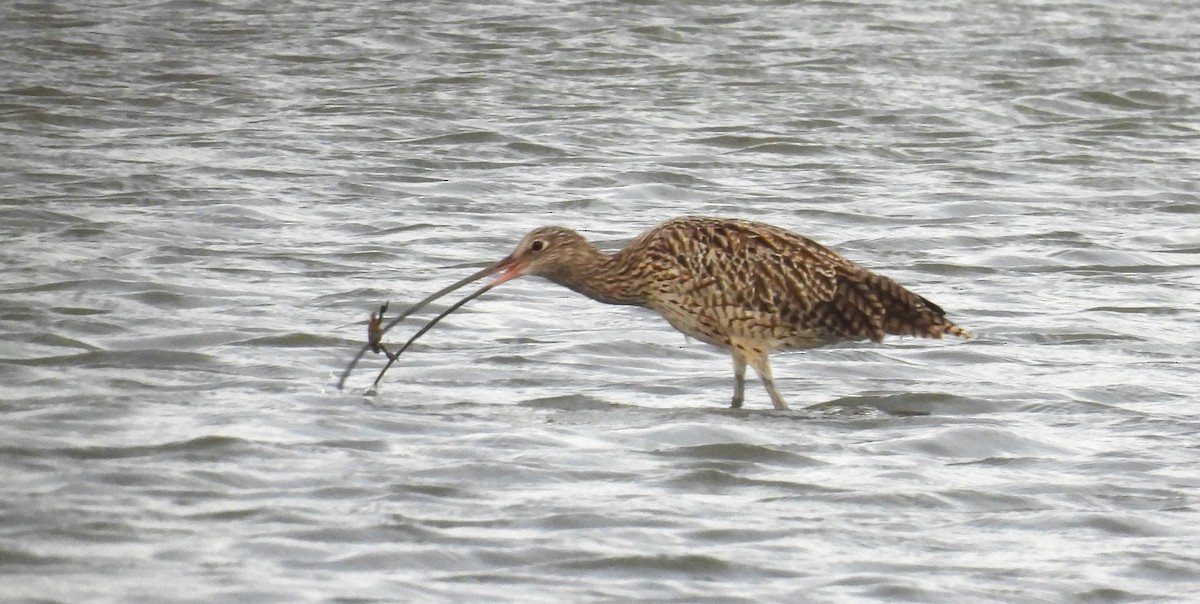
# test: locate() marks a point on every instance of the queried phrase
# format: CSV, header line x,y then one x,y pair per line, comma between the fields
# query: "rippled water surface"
x,y
201,201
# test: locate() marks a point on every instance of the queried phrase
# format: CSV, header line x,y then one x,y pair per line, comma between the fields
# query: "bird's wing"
x,y
771,279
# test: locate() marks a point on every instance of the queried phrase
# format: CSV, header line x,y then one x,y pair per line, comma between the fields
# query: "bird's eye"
x,y
537,245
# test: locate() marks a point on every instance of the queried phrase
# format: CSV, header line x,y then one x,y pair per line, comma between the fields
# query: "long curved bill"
x,y
508,268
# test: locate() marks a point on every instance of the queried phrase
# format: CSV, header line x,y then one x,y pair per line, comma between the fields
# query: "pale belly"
x,y
723,325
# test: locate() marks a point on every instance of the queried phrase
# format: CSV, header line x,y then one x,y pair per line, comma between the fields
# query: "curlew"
x,y
747,287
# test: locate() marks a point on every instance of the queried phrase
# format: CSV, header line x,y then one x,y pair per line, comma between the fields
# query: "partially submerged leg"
x,y
763,367
739,381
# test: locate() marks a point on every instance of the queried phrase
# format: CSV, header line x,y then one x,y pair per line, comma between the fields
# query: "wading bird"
x,y
748,287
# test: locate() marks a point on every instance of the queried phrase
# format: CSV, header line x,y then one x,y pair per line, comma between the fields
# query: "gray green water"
x,y
200,202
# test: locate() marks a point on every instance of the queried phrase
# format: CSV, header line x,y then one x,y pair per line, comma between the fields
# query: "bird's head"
x,y
550,252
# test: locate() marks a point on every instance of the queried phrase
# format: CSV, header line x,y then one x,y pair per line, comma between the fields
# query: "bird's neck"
x,y
602,277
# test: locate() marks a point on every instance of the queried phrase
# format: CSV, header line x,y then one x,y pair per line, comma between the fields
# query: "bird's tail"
x,y
908,314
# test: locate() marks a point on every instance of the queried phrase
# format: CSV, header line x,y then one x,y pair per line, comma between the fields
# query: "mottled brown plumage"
x,y
748,287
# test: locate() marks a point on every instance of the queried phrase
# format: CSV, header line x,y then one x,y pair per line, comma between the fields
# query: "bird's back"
x,y
722,280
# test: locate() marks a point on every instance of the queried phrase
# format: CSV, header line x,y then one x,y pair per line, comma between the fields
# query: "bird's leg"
x,y
763,367
776,398
739,381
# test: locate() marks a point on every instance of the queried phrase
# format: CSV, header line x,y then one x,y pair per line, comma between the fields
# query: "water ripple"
x,y
203,201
